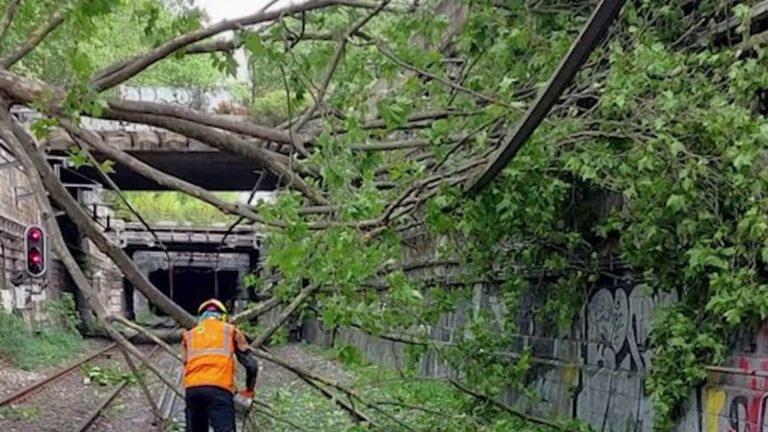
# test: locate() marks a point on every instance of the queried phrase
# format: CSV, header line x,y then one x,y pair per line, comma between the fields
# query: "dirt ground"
x,y
63,406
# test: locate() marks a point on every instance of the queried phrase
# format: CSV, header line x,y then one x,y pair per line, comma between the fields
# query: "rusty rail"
x,y
93,415
28,390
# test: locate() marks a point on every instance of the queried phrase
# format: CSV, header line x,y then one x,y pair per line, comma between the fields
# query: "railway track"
x,y
170,402
88,420
33,388
96,413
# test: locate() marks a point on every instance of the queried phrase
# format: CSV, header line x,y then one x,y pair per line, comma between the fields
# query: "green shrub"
x,y
27,348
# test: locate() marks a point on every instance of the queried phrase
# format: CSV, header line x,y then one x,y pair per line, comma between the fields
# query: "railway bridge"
x,y
187,263
190,264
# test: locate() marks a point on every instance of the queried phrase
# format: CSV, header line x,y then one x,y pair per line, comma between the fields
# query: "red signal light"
x,y
35,251
35,234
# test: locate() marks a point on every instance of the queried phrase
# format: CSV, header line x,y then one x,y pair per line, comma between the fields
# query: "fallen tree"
x,y
395,109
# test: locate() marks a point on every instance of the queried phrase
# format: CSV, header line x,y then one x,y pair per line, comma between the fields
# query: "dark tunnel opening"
x,y
194,285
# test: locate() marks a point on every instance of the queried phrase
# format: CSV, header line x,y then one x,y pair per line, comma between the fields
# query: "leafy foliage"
x,y
102,32
172,207
432,405
106,376
653,162
48,345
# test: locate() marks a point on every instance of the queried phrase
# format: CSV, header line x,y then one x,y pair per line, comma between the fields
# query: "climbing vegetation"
x,y
654,164
649,170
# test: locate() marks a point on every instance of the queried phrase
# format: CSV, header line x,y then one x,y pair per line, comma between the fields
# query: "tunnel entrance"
x,y
194,285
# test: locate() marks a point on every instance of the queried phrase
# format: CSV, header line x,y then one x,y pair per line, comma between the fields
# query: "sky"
x,y
218,10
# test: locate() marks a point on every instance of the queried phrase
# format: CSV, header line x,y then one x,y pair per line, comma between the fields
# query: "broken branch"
x,y
91,230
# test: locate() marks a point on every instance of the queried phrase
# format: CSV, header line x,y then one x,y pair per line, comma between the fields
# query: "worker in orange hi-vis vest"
x,y
210,350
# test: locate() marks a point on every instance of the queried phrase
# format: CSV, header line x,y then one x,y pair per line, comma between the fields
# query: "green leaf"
x,y
108,166
78,157
349,355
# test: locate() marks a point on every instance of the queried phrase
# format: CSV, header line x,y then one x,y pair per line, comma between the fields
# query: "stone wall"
x,y
106,278
596,369
18,209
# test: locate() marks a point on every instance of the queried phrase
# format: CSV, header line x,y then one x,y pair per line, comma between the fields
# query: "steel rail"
x,y
26,391
93,415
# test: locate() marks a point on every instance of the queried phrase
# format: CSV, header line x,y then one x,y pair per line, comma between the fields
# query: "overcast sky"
x,y
218,10
226,9
223,9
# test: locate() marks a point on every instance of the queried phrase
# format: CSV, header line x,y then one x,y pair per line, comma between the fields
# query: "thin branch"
x,y
32,42
142,384
356,415
223,141
280,419
160,177
387,52
501,405
116,189
235,43
139,63
10,13
335,61
295,304
298,371
417,117
256,311
416,187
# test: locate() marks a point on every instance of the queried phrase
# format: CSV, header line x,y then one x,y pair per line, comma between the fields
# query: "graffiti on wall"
x,y
737,401
616,328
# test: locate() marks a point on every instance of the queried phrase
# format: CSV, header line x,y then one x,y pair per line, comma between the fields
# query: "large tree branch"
x,y
16,138
223,141
160,177
139,63
91,230
217,121
33,41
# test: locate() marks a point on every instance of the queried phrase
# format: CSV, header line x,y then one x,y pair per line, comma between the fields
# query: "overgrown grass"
x,y
52,344
423,405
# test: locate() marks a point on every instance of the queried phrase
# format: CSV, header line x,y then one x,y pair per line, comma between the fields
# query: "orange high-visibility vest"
x,y
209,355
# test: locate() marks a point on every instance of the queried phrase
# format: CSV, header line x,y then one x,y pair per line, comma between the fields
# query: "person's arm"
x,y
246,358
184,348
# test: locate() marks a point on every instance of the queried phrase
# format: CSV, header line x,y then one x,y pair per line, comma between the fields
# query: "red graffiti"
x,y
748,413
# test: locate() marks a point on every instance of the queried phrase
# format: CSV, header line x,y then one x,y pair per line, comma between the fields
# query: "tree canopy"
x,y
653,160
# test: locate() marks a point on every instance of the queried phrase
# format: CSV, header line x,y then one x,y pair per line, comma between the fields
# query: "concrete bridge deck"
x,y
187,159
205,239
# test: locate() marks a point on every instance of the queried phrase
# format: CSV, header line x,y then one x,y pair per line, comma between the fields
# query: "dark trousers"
x,y
210,404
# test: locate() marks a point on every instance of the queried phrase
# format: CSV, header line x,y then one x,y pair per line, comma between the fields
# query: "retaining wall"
x,y
596,369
